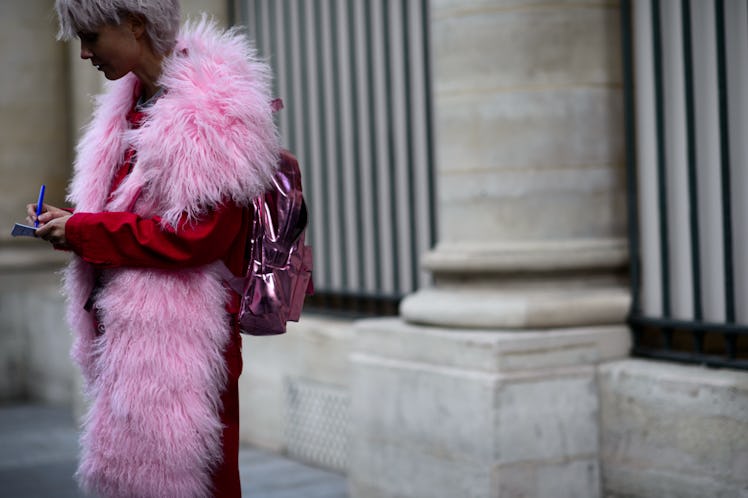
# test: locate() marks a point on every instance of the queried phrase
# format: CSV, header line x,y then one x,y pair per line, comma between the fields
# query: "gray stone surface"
x,y
528,119
493,414
34,340
33,134
38,447
315,349
671,430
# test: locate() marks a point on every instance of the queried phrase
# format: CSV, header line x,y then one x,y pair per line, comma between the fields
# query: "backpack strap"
x,y
234,283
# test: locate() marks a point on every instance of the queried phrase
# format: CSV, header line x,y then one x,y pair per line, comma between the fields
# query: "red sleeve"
x,y
124,239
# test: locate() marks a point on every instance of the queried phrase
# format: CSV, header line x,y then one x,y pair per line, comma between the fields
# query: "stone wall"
x,y
34,149
34,342
664,430
295,391
671,430
33,110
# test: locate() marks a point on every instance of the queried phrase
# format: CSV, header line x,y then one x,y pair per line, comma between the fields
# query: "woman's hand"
x,y
48,214
52,222
54,230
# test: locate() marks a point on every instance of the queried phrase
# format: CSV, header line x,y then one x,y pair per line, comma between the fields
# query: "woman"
x,y
180,142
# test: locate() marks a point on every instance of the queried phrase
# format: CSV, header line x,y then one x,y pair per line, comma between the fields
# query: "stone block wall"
x,y
34,338
651,429
295,391
670,430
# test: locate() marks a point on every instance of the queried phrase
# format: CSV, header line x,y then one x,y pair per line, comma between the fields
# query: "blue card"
x,y
23,231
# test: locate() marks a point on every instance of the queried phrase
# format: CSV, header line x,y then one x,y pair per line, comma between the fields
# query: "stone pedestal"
x,y
446,413
486,386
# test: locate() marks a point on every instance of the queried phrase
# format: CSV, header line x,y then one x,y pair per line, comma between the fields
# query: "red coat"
x,y
116,239
157,377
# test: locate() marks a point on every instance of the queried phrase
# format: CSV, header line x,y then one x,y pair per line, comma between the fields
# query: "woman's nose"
x,y
86,52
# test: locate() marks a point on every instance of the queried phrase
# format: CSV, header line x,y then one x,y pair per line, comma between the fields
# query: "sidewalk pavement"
x,y
39,444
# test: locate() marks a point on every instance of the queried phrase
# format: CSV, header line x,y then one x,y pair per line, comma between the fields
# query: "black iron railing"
x,y
686,305
356,82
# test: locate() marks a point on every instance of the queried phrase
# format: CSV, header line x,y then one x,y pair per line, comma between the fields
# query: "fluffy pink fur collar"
x,y
209,138
155,376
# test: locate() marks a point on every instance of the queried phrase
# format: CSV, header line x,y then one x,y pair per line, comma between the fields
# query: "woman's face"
x,y
112,49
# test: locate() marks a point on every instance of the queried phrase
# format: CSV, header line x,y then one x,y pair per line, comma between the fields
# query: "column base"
x,y
483,414
487,308
525,285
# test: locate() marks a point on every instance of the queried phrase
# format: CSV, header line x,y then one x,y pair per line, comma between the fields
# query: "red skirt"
x,y
225,477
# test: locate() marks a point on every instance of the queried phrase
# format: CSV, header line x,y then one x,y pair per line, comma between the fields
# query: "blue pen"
x,y
39,205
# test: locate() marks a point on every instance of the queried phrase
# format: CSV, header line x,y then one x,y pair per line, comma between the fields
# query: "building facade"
x,y
498,141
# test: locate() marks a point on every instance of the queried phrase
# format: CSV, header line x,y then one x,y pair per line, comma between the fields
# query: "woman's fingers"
x,y
48,214
30,213
54,230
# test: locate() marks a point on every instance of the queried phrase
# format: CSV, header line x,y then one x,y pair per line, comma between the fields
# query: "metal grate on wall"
x,y
686,75
355,80
317,423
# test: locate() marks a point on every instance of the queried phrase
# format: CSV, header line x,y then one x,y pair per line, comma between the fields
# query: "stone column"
x,y
33,117
486,385
33,151
528,107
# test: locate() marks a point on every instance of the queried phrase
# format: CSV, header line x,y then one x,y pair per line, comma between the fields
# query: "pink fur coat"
x,y
155,377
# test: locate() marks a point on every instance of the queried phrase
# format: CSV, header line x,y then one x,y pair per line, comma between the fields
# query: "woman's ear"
x,y
136,23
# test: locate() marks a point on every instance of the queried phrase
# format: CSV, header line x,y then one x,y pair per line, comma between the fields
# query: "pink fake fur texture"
x,y
155,377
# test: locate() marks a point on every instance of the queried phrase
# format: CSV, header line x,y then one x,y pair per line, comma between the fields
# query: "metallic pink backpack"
x,y
279,273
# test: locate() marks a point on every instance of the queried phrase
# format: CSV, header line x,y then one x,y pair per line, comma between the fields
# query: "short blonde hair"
x,y
162,18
